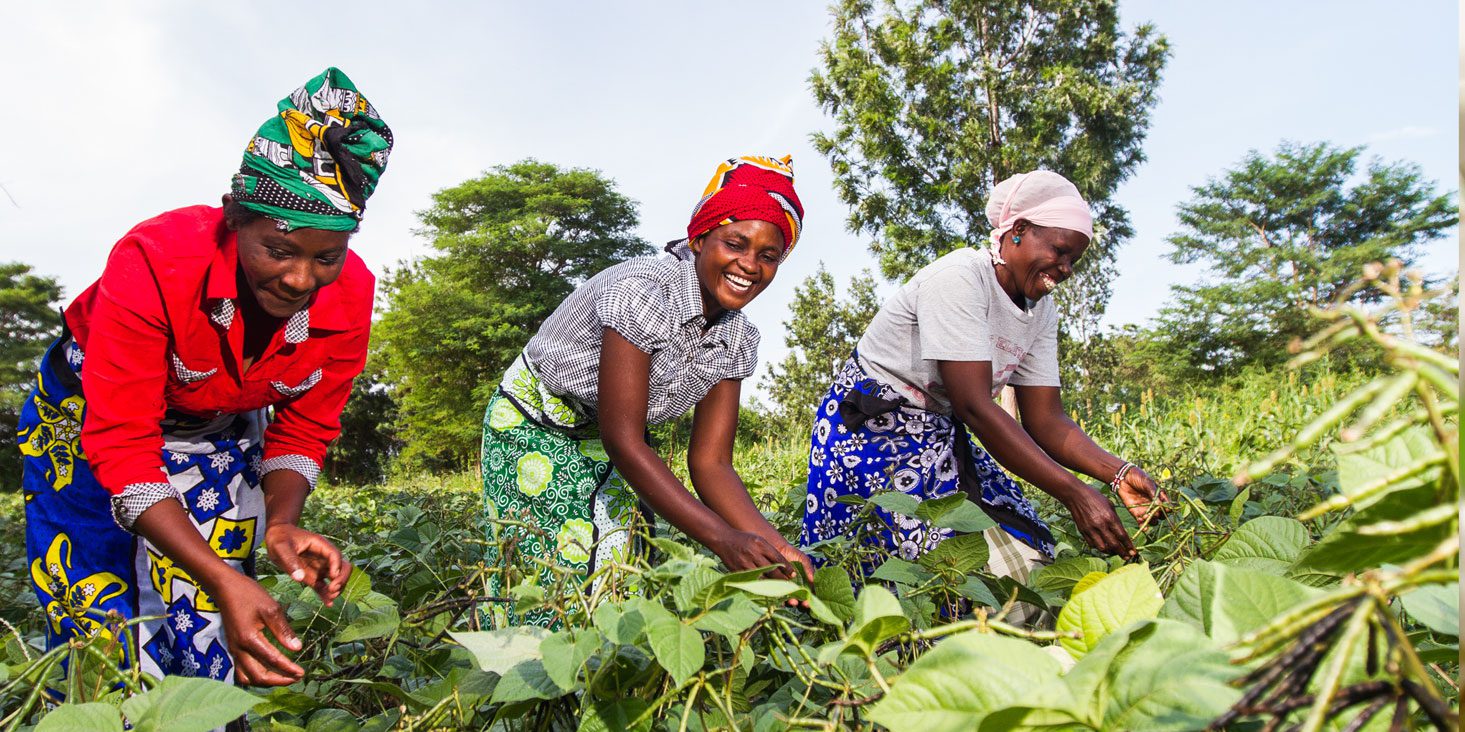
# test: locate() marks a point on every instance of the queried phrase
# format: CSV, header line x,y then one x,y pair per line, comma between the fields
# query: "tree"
x,y
363,453
821,332
936,101
511,244
29,321
1283,233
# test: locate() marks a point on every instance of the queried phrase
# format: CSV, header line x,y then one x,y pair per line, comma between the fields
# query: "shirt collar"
x,y
221,292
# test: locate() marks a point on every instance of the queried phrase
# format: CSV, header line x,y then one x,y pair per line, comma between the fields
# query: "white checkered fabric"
x,y
139,497
304,386
656,304
298,463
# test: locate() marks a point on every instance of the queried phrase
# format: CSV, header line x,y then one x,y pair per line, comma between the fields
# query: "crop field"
x,y
1299,580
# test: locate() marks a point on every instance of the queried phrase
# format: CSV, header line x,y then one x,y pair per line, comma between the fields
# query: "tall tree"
x,y
28,321
510,245
1284,232
935,101
821,332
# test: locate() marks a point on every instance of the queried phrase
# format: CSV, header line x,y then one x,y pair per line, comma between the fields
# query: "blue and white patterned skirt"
x,y
82,564
868,439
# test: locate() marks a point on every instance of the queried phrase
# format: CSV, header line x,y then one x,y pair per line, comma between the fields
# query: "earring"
x,y
1016,239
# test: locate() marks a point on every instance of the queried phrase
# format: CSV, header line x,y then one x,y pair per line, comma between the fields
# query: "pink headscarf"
x,y
1041,197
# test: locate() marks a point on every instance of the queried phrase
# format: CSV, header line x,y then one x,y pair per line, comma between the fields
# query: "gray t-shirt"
x,y
954,310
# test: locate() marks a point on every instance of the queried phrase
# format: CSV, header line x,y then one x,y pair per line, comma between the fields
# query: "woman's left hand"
x,y
309,558
1142,496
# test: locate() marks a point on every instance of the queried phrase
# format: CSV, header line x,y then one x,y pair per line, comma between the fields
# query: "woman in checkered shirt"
x,y
567,472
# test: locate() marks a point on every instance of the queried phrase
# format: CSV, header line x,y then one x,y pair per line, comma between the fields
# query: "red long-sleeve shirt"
x,y
161,329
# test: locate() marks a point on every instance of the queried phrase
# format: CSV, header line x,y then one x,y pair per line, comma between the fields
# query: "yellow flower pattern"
x,y
574,540
56,437
534,473
67,600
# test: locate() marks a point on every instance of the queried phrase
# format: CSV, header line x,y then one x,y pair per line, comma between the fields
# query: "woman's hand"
x,y
1098,523
796,559
309,559
1141,496
741,550
248,610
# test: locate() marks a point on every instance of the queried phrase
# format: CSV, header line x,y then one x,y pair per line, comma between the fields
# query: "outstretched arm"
x,y
1044,419
709,460
969,384
624,390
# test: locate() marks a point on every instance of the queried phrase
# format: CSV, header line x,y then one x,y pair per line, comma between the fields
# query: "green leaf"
x,y
497,651
774,588
878,618
957,555
1162,676
1226,602
1344,550
730,617
1357,469
833,586
357,585
956,684
688,593
375,623
1436,607
1063,574
333,720
677,647
896,502
1266,544
180,704
89,717
901,572
285,700
1126,595
566,651
527,680
1087,581
622,625
1238,506
614,716
964,518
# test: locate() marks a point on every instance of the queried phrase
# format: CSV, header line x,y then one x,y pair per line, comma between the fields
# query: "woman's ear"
x,y
696,245
229,221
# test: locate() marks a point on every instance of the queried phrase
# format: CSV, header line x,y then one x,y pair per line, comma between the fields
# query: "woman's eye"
x,y
328,261
734,245
278,253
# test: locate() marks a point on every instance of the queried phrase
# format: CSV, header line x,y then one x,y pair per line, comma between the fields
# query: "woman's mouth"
x,y
1047,283
738,284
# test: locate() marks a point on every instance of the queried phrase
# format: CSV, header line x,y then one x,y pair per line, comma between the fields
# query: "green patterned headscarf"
x,y
315,164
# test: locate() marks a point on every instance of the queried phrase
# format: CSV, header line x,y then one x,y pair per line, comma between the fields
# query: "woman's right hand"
x,y
742,550
1098,523
248,612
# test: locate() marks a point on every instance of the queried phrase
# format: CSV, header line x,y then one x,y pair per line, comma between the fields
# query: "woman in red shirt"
x,y
152,466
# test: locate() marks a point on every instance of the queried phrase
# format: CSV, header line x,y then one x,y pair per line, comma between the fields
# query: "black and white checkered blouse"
x,y
656,305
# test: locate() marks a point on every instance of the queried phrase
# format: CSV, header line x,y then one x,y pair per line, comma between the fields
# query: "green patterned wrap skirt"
x,y
551,494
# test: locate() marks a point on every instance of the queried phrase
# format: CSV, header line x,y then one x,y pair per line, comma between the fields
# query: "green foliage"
x,y
510,246
369,442
821,332
934,102
29,321
1285,232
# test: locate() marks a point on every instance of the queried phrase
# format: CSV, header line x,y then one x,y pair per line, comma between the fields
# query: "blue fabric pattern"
x,y
906,449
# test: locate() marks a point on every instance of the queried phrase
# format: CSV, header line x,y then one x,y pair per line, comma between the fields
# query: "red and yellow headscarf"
x,y
752,187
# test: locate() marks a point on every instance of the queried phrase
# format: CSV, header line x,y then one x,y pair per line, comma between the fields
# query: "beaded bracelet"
x,y
1119,476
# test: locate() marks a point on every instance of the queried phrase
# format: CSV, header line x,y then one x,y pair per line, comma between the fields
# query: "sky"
x,y
125,110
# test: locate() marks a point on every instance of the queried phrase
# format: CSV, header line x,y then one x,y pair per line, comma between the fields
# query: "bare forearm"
x,y
285,491
666,495
1062,439
722,489
166,525
1001,436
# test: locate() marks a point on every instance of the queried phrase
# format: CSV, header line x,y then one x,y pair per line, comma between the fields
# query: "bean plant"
x,y
1316,588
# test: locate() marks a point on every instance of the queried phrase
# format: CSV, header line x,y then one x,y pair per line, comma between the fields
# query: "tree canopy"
x,y
1284,232
510,246
29,321
935,101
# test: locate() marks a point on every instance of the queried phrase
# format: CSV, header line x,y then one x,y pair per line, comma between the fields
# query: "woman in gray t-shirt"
x,y
927,372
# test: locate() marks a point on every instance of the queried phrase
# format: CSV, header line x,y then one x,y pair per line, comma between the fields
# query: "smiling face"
x,y
1042,259
282,270
735,262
